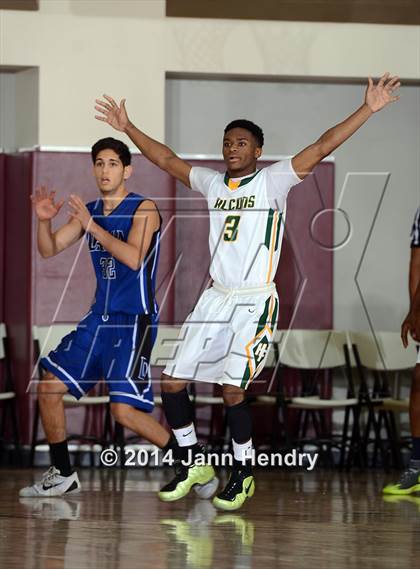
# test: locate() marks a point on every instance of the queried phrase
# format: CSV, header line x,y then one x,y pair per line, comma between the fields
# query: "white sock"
x,y
186,436
243,451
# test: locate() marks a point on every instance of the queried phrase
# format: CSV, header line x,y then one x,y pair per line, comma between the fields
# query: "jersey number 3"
x,y
108,267
230,232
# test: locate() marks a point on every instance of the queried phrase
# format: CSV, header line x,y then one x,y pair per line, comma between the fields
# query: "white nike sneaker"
x,y
52,484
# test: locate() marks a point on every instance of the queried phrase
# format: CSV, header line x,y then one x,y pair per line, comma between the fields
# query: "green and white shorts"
x,y
227,337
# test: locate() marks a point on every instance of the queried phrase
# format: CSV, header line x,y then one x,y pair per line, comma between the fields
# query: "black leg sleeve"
x,y
178,409
240,422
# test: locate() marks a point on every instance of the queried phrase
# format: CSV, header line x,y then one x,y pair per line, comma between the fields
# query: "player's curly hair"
x,y
117,146
253,128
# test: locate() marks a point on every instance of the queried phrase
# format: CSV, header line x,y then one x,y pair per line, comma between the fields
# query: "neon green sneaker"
x,y
241,486
185,478
408,483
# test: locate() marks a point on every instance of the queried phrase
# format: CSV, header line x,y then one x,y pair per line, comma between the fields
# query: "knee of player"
x,y
50,388
120,411
233,395
171,385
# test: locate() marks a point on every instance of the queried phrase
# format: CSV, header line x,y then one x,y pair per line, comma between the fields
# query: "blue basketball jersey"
x,y
119,288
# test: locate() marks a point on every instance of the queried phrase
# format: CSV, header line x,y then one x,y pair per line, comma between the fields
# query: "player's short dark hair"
x,y
118,146
253,128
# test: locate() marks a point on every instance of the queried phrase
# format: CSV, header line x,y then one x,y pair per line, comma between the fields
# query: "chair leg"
x,y
288,436
305,424
106,432
2,427
396,435
120,442
15,426
378,439
344,437
35,425
275,427
392,434
376,442
356,442
327,436
15,431
3,421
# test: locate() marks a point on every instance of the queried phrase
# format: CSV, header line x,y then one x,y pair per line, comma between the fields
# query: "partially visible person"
x,y
115,339
410,479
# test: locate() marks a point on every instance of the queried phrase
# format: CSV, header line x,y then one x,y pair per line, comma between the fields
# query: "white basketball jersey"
x,y
246,222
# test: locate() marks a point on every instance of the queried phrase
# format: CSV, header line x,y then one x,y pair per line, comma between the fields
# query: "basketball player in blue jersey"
x,y
115,339
226,338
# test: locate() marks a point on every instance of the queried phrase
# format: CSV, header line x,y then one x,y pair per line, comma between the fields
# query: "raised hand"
x,y
411,325
379,95
113,114
79,211
44,204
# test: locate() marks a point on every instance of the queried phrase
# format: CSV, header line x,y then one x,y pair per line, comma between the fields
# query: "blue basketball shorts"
x,y
116,350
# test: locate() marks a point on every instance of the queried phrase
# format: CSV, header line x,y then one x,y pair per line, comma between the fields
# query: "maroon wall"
x,y
2,233
305,275
2,236
17,275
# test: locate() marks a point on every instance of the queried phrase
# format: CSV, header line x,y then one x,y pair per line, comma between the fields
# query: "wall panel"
x,y
17,286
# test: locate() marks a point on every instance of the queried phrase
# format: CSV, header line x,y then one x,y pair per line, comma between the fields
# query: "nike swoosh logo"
x,y
52,486
249,486
187,434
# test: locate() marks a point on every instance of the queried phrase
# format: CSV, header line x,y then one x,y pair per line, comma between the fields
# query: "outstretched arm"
x,y
156,152
51,242
132,253
376,98
411,324
414,272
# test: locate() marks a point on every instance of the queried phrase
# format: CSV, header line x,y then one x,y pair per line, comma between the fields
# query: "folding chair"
x,y
382,357
316,354
8,395
46,338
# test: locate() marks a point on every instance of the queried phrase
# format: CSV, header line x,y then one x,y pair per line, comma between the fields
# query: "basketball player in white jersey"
x,y
226,337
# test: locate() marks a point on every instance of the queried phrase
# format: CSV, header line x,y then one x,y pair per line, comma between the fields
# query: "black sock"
x,y
416,448
240,422
187,453
240,426
60,458
245,466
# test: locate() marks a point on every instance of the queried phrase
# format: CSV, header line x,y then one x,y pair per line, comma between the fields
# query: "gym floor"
x,y
321,519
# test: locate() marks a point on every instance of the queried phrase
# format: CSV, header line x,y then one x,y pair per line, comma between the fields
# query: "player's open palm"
x,y
44,204
111,113
379,95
